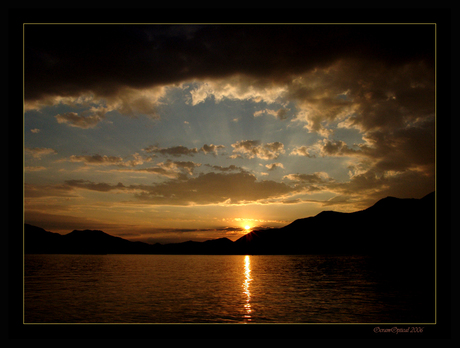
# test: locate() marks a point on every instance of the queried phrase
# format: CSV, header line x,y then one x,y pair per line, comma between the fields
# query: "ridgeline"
x,y
391,227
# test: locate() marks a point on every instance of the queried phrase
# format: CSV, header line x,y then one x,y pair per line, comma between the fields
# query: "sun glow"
x,y
247,227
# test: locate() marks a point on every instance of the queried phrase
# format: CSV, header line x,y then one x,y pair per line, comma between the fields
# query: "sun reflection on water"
x,y
247,281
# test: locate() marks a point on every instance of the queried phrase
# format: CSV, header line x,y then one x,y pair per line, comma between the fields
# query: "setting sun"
x,y
247,227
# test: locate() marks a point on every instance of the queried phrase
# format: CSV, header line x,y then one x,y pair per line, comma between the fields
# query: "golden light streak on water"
x,y
247,282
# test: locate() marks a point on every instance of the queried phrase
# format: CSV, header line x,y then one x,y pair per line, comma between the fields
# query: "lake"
x,y
223,289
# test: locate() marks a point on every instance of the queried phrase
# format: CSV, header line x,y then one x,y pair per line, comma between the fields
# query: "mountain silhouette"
x,y
39,241
392,227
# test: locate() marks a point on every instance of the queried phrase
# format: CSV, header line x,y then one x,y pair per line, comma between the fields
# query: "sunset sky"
x,y
167,133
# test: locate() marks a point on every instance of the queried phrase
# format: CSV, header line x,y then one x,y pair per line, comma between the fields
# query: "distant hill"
x,y
39,241
391,227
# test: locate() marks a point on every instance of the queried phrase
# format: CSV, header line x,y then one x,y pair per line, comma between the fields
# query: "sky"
x,y
168,133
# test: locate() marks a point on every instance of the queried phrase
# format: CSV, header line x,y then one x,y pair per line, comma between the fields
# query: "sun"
x,y
247,227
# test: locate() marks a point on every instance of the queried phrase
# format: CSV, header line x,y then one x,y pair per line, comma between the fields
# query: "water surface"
x,y
219,289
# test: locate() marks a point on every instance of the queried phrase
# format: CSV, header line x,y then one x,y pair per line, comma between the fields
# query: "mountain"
x,y
391,227
39,241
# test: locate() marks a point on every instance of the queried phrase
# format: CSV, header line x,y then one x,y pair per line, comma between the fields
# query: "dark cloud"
x,y
364,95
68,60
214,188
281,113
211,148
210,188
180,150
372,185
336,148
273,166
176,151
89,185
407,148
231,167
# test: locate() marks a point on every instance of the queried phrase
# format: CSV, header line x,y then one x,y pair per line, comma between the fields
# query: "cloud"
x,y
336,148
231,167
138,160
341,202
377,80
104,160
79,121
186,166
280,113
89,185
301,151
366,188
351,92
238,87
210,188
411,147
39,152
353,76
172,169
180,150
332,148
398,162
273,166
34,168
175,151
37,191
315,178
167,54
253,148
366,95
127,101
96,159
211,148
160,170
214,188
133,101
407,148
